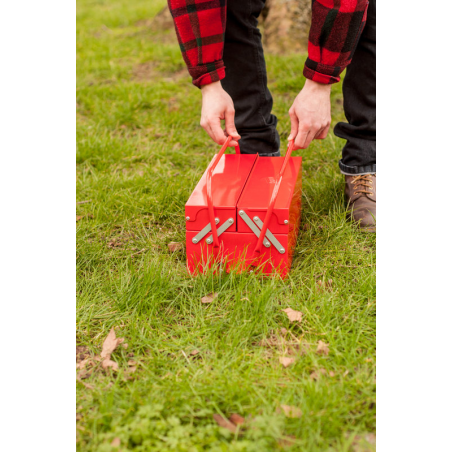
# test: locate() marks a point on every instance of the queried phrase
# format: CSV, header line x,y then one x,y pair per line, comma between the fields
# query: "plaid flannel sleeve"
x,y
335,30
200,27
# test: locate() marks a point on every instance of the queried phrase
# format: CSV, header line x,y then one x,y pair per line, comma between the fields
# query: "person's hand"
x,y
310,114
216,106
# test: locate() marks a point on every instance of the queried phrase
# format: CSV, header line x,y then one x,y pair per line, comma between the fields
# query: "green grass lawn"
x,y
140,153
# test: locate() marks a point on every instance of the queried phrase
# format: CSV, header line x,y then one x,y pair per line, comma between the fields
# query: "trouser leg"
x,y
359,153
246,79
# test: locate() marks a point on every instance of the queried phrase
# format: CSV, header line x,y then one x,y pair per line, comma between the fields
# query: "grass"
x,y
140,153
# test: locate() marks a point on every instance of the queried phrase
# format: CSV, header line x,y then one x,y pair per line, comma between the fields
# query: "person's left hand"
x,y
310,114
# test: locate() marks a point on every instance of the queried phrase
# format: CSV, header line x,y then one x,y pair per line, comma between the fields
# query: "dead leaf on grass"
x,y
82,364
174,246
322,348
81,353
209,297
285,361
194,352
316,374
294,316
106,363
291,411
225,423
110,344
236,419
116,442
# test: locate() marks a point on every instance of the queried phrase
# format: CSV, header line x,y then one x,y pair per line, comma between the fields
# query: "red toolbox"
x,y
245,213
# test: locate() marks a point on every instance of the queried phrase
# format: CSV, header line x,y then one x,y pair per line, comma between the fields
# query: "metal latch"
x,y
203,232
257,231
221,229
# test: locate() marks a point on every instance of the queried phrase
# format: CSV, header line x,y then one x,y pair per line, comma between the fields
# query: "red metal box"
x,y
228,180
245,213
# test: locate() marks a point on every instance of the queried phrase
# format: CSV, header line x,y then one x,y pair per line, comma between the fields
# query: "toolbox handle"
x,y
273,198
209,189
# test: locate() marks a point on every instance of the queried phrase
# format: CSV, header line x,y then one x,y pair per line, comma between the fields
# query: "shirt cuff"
x,y
322,73
207,73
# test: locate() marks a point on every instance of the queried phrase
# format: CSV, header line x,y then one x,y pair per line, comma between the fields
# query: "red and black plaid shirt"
x,y
335,29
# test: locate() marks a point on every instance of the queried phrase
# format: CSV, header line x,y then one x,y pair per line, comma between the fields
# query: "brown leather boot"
x,y
361,199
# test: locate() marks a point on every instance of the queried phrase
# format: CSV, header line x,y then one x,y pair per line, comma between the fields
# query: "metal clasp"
x,y
256,227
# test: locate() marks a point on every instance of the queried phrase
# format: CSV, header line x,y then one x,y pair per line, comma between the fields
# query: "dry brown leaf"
x,y
286,361
291,411
174,246
116,442
81,352
222,422
209,297
110,343
283,331
125,345
322,348
131,362
83,374
106,363
194,352
78,217
316,374
294,316
236,419
82,364
131,369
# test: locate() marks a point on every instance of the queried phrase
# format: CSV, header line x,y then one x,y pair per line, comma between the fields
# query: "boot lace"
x,y
364,183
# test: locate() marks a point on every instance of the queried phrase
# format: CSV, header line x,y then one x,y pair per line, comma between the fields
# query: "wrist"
x,y
316,86
214,86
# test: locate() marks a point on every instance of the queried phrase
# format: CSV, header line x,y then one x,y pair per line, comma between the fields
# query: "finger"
x,y
232,142
217,132
205,125
230,127
293,125
300,139
309,137
323,133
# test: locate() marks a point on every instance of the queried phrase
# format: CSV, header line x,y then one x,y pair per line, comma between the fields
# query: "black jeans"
x,y
246,83
359,86
246,79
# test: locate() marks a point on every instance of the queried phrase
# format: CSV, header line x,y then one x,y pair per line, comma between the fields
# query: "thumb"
x,y
230,125
293,126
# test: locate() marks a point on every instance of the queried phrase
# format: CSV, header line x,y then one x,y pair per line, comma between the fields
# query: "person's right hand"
x,y
216,106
